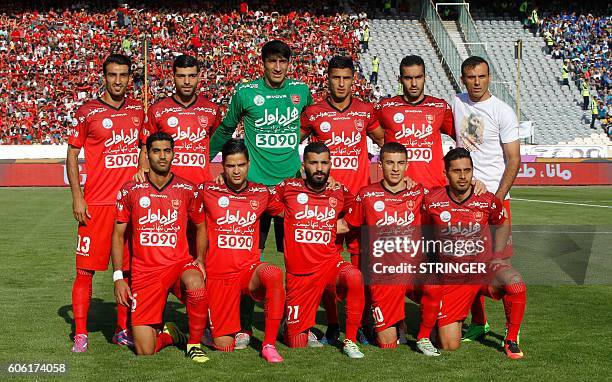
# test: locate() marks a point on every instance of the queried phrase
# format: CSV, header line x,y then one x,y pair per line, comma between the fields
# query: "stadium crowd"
x,y
583,42
49,60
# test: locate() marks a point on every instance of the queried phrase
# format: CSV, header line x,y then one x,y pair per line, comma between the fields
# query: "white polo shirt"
x,y
482,128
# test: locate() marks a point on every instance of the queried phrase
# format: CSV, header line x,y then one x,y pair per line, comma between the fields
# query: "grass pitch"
x,y
564,241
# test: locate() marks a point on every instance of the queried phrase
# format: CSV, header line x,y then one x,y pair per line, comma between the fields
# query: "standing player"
x,y
233,266
389,209
470,224
417,121
488,128
343,123
270,109
158,211
107,128
189,118
312,260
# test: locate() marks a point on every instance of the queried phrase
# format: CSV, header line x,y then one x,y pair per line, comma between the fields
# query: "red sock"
x,y
392,345
197,313
298,341
122,311
350,282
81,297
478,311
163,340
515,301
274,304
331,309
226,349
430,306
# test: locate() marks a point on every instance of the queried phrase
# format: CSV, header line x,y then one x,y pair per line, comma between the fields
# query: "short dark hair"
x,y
315,148
185,61
471,62
411,61
119,59
234,146
159,136
454,154
392,147
275,47
341,62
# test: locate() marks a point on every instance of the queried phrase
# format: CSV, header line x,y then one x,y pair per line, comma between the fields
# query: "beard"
x,y
316,179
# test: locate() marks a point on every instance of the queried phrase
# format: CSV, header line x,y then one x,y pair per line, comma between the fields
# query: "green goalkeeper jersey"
x,y
271,127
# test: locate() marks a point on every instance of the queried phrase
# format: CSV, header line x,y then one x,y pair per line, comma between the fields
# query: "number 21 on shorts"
x,y
292,313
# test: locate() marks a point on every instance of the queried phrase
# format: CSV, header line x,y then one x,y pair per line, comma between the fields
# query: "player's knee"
x,y
192,279
450,345
352,277
271,276
224,343
515,287
142,349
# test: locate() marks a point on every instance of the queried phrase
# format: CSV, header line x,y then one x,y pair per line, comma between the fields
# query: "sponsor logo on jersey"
x,y
445,216
302,198
259,100
479,205
379,206
122,137
292,114
223,201
191,136
315,213
395,219
398,117
144,202
107,123
167,218
460,229
343,139
325,127
172,121
295,98
238,218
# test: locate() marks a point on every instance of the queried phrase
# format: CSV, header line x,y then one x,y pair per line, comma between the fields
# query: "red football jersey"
x,y
232,220
110,138
387,216
191,127
418,127
158,218
345,133
310,223
463,228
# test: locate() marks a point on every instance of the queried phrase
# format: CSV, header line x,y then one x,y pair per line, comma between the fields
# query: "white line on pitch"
x,y
554,202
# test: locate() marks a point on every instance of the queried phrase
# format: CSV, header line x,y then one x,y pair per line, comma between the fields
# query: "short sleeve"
x,y
148,127
372,123
448,124
306,126
508,125
195,207
354,216
496,212
275,199
123,209
79,130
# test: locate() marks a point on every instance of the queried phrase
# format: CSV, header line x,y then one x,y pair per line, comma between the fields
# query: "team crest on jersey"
x,y
410,204
172,121
223,201
136,121
203,120
259,100
254,204
445,216
107,123
302,198
430,118
295,98
144,202
359,124
478,215
333,202
176,203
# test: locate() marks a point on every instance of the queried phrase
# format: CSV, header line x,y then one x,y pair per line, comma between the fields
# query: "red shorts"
x,y
304,295
388,304
456,303
508,250
151,293
224,300
94,240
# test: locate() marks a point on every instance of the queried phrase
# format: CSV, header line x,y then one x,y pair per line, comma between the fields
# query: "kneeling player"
x,y
391,210
158,211
460,216
312,260
233,269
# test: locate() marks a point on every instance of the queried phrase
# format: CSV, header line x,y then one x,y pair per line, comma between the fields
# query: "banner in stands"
x,y
562,174
565,151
